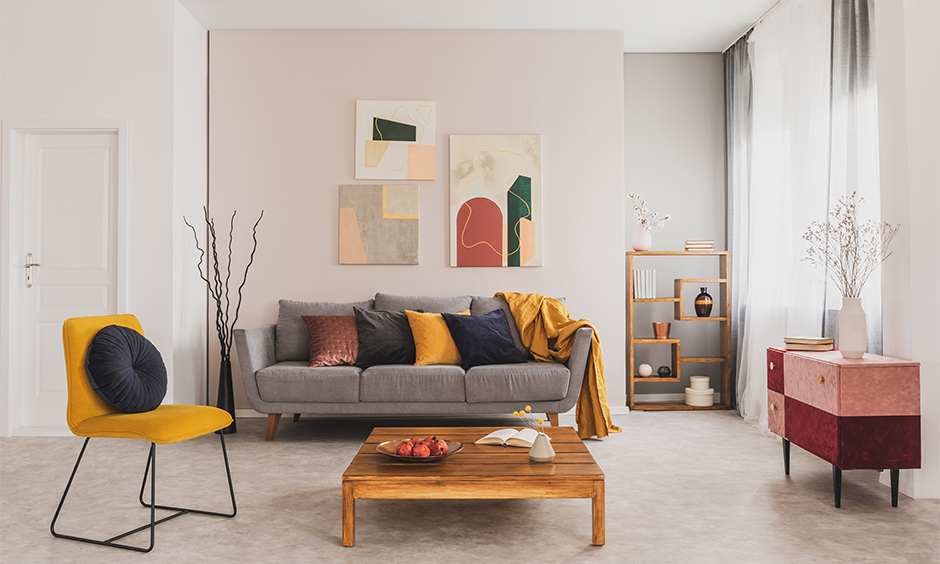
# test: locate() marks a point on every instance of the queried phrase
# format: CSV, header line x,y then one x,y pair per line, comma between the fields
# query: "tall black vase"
x,y
226,396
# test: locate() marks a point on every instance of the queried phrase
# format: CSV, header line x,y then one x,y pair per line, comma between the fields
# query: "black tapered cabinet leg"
x,y
837,485
786,457
895,481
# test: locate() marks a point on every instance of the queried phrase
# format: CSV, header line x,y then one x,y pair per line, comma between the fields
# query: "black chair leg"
x,y
837,485
150,469
786,457
895,483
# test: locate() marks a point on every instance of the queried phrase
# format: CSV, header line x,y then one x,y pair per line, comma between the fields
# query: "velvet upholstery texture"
x,y
292,342
384,338
126,370
483,339
89,416
433,342
334,340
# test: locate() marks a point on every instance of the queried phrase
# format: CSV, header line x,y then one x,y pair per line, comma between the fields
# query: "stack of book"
x,y
644,284
699,245
808,344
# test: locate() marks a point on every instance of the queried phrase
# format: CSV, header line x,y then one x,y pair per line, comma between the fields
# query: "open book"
x,y
510,437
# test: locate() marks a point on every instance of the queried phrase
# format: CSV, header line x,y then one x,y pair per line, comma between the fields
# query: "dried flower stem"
x,y
845,250
646,218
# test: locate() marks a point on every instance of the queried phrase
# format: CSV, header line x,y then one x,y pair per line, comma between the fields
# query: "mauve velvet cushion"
x,y
384,338
126,370
334,340
483,339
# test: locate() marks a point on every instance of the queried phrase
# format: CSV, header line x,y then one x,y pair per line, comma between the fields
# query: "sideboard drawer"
x,y
776,418
813,383
813,429
775,370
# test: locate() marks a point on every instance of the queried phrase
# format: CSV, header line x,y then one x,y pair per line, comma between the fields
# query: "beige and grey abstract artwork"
x,y
378,224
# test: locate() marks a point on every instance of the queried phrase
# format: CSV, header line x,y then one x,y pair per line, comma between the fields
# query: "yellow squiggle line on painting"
x,y
365,247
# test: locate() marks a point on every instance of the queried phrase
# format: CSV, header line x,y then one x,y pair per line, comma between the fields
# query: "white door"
x,y
69,224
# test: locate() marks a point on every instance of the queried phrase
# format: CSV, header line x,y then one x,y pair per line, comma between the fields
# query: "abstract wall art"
x,y
496,200
378,224
395,140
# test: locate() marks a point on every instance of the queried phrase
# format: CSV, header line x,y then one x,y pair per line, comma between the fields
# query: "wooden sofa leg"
x,y
296,417
273,420
553,419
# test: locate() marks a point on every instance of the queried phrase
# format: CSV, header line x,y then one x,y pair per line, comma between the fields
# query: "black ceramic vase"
x,y
664,372
226,398
703,304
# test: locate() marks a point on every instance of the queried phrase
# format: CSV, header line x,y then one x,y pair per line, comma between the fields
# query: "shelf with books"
x,y
722,305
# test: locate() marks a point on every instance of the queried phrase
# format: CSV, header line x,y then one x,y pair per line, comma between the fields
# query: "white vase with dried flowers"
x,y
541,450
848,252
642,239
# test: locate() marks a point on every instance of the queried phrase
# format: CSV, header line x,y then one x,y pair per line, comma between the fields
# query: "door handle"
x,y
29,269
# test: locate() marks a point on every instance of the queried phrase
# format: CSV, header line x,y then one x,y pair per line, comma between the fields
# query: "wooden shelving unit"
x,y
722,305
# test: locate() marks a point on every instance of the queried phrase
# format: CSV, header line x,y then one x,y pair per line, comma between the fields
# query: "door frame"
x,y
14,132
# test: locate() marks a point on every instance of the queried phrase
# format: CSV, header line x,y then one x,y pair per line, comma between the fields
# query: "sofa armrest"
x,y
577,364
255,350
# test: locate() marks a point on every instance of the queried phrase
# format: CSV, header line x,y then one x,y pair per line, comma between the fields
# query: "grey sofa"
x,y
274,367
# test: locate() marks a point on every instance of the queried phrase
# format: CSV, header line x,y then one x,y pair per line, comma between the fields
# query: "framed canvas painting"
x,y
378,224
496,200
395,140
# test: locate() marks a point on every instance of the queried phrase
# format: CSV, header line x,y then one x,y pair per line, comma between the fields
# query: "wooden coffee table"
x,y
477,472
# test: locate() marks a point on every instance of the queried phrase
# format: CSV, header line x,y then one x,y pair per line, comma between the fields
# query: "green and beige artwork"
x,y
378,224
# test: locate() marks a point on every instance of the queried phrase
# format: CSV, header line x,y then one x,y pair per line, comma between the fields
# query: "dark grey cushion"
x,y
427,304
532,381
291,341
294,381
391,383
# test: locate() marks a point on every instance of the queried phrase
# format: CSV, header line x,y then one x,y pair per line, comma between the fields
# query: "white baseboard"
x,y
662,398
249,413
908,487
41,432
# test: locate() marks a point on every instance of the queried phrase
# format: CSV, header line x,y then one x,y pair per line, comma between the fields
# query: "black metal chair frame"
x,y
150,469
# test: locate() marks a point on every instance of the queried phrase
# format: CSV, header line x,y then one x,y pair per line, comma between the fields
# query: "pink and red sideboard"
x,y
853,413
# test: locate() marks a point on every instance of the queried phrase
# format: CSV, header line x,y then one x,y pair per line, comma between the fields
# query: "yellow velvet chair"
x,y
89,416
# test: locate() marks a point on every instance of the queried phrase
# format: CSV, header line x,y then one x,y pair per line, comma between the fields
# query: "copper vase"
x,y
661,330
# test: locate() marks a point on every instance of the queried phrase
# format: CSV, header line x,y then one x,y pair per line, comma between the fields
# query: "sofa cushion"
x,y
295,382
531,381
427,304
291,341
400,383
334,340
384,338
433,343
483,339
482,305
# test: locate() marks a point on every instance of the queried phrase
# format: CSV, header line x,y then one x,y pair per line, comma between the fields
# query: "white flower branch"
x,y
645,217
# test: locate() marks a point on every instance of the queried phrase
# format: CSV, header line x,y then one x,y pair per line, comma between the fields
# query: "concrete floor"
x,y
681,487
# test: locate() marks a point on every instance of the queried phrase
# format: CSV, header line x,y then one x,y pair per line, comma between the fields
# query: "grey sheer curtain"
x,y
784,72
737,67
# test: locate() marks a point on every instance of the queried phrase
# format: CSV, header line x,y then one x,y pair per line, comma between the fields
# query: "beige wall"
x,y
674,112
908,75
282,110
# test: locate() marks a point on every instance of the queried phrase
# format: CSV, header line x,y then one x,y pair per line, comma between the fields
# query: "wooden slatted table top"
x,y
572,460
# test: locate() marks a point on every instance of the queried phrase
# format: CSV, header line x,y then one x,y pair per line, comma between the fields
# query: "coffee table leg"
x,y
597,514
349,515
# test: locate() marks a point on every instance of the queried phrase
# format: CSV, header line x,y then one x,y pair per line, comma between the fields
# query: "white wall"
x,y
116,59
281,138
674,156
190,164
908,75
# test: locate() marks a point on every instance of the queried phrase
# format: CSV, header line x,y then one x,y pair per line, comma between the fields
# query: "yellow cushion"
x,y
165,424
433,343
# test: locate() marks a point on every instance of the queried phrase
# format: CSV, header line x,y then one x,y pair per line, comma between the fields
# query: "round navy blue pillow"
x,y
126,370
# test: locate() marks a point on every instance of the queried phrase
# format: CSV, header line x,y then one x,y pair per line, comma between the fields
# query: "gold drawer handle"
x,y
820,379
771,366
773,407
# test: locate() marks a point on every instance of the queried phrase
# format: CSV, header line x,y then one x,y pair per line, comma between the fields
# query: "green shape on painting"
x,y
518,206
385,130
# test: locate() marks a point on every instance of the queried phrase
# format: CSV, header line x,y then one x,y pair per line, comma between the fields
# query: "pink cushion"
x,y
333,339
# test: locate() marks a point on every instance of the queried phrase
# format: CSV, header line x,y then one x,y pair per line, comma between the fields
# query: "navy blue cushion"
x,y
483,339
126,370
384,338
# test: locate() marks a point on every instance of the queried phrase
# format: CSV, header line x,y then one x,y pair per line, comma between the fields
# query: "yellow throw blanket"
x,y
548,332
